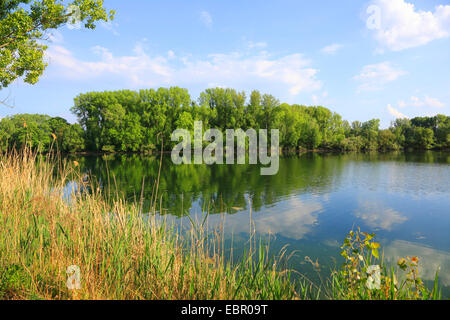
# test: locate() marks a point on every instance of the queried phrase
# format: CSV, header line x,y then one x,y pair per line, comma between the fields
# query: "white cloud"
x,y
427,101
171,54
56,36
139,69
433,102
403,26
206,18
331,49
110,26
320,99
292,72
416,101
256,45
395,112
375,76
378,217
402,104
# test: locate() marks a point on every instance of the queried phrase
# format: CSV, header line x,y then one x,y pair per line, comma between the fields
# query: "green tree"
x,y
369,132
27,129
387,140
423,138
254,110
24,26
73,139
270,107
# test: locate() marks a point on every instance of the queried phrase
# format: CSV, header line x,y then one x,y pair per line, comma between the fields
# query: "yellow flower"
x,y
76,164
401,262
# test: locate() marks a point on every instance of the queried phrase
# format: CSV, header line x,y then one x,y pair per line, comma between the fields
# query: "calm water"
x,y
310,205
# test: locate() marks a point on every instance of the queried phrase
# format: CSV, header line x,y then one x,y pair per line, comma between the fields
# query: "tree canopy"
x,y
24,26
140,121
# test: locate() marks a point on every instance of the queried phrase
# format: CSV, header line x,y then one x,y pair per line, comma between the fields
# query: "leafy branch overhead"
x,y
24,26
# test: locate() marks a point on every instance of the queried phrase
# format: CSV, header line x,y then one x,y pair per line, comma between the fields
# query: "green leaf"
x,y
375,253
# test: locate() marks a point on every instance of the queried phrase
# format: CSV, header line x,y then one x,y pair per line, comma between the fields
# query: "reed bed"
x,y
48,231
121,255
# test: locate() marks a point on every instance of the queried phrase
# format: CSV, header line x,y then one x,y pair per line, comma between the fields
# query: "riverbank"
x,y
283,152
115,253
119,255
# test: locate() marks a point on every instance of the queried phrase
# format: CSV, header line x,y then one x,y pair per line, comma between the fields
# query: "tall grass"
x,y
123,254
120,254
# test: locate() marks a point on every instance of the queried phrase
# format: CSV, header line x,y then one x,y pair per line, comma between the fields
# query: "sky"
x,y
380,59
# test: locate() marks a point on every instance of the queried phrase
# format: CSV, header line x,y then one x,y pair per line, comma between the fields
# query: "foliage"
x,y
24,26
364,275
143,121
40,133
140,121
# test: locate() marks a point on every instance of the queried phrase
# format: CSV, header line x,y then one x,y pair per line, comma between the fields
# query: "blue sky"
x,y
390,62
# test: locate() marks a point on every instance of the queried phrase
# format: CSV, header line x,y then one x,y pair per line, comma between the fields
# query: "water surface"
x,y
310,205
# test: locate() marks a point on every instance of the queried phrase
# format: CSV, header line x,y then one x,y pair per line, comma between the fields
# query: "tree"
x,y
129,121
401,129
73,139
26,129
57,127
443,131
254,110
423,138
369,131
24,26
270,107
387,140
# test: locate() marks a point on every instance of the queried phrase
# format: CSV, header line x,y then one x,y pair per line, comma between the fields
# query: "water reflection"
x,y
310,205
292,219
431,260
376,216
220,188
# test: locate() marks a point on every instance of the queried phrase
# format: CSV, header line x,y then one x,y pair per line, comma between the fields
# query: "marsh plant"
x,y
120,252
366,276
111,250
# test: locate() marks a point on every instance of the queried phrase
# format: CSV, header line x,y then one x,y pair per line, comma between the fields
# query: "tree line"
x,y
141,121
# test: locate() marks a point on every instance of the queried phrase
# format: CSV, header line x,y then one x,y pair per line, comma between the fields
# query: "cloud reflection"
x,y
294,222
377,216
292,219
431,260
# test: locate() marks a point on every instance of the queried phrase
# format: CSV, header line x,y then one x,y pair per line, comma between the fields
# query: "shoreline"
x,y
127,258
282,152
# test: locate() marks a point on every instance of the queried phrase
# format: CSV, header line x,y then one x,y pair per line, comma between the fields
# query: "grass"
x,y
122,256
